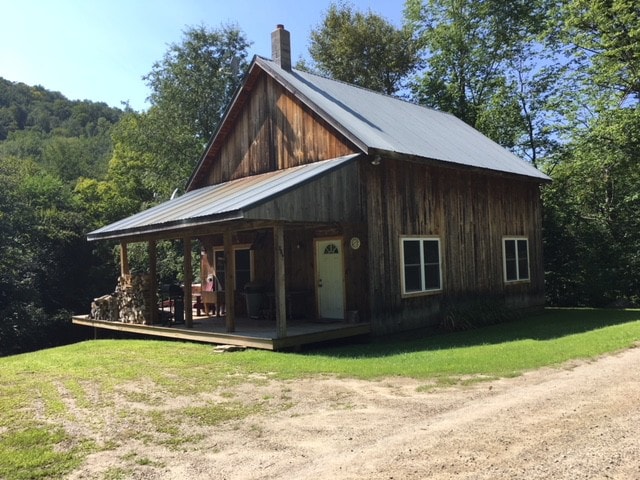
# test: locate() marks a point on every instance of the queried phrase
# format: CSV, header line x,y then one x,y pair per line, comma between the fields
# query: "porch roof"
x,y
217,203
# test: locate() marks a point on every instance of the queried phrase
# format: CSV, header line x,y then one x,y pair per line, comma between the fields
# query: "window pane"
x,y
512,272
523,260
431,253
243,259
432,277
412,280
411,252
510,261
243,268
510,249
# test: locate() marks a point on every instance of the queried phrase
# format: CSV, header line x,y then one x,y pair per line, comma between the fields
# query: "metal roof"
x,y
219,202
386,123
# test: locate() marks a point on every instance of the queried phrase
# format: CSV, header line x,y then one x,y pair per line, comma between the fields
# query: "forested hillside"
x,y
47,144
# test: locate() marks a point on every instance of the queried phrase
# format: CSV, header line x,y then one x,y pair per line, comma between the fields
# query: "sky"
x,y
99,50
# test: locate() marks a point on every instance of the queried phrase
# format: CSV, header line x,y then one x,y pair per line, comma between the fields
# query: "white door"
x,y
330,278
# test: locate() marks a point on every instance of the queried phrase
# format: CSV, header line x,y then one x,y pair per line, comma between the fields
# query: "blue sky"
x,y
99,50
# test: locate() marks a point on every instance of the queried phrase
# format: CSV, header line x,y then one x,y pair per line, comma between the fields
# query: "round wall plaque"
x,y
355,243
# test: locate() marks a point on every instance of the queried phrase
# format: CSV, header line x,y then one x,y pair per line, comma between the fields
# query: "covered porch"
x,y
264,231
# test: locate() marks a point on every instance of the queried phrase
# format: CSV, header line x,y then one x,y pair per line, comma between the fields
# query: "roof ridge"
x,y
353,85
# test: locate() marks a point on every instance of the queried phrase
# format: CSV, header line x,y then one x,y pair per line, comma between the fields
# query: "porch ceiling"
x,y
224,202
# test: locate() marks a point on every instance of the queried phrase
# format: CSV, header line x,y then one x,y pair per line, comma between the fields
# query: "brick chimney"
x,y
281,47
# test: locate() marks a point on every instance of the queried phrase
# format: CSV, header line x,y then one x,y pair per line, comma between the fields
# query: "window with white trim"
x,y
421,270
515,252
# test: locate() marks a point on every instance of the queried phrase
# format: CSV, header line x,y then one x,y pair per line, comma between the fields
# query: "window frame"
x,y
519,278
424,290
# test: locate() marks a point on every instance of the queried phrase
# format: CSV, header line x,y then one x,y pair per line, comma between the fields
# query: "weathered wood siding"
x,y
470,212
334,197
272,130
299,257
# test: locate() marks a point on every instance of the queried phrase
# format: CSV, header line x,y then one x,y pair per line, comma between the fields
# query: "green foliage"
x,y
170,261
605,40
190,88
483,64
363,49
46,267
70,138
468,43
193,82
592,247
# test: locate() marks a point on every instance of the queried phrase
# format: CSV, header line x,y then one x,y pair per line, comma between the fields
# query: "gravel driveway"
x,y
577,421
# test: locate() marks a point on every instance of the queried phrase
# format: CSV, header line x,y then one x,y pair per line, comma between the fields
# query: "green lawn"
x,y
37,388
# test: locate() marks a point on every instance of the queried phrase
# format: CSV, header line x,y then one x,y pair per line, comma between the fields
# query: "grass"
x,y
43,391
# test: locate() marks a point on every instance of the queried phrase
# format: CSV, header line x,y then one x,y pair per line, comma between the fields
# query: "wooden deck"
x,y
250,333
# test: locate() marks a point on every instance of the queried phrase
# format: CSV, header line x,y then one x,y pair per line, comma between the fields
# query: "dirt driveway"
x,y
579,421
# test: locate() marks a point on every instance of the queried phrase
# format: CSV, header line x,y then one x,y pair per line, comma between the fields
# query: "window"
x,y
421,270
243,267
516,259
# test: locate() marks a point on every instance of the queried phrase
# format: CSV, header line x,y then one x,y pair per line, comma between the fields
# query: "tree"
x,y
476,69
155,151
195,79
44,258
363,49
604,38
591,215
591,219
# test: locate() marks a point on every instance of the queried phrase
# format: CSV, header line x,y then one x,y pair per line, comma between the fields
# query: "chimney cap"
x,y
280,26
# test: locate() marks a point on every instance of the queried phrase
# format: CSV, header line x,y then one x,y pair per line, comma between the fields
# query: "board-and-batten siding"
x,y
470,212
273,131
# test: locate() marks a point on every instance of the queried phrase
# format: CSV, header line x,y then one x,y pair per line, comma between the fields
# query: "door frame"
x,y
340,241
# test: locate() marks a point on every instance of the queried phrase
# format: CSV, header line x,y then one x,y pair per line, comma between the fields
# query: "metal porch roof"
x,y
216,203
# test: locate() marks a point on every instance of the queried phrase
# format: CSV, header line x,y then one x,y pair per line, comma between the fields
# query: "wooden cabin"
x,y
349,208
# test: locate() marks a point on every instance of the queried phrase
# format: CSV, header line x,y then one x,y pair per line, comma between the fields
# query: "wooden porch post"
x,y
229,282
153,287
280,295
188,280
124,259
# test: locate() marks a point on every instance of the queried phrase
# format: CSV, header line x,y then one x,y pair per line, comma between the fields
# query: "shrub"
x,y
470,313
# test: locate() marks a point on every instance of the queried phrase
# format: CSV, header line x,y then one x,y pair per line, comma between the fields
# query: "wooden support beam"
x,y
124,259
188,280
229,282
153,286
280,294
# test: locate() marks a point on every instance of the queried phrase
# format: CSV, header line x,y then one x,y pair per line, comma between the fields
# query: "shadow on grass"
x,y
550,324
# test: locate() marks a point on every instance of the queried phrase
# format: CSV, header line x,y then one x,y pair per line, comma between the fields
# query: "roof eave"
x,y
169,229
541,178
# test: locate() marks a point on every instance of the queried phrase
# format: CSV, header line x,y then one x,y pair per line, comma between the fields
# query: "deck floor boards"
x,y
253,333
